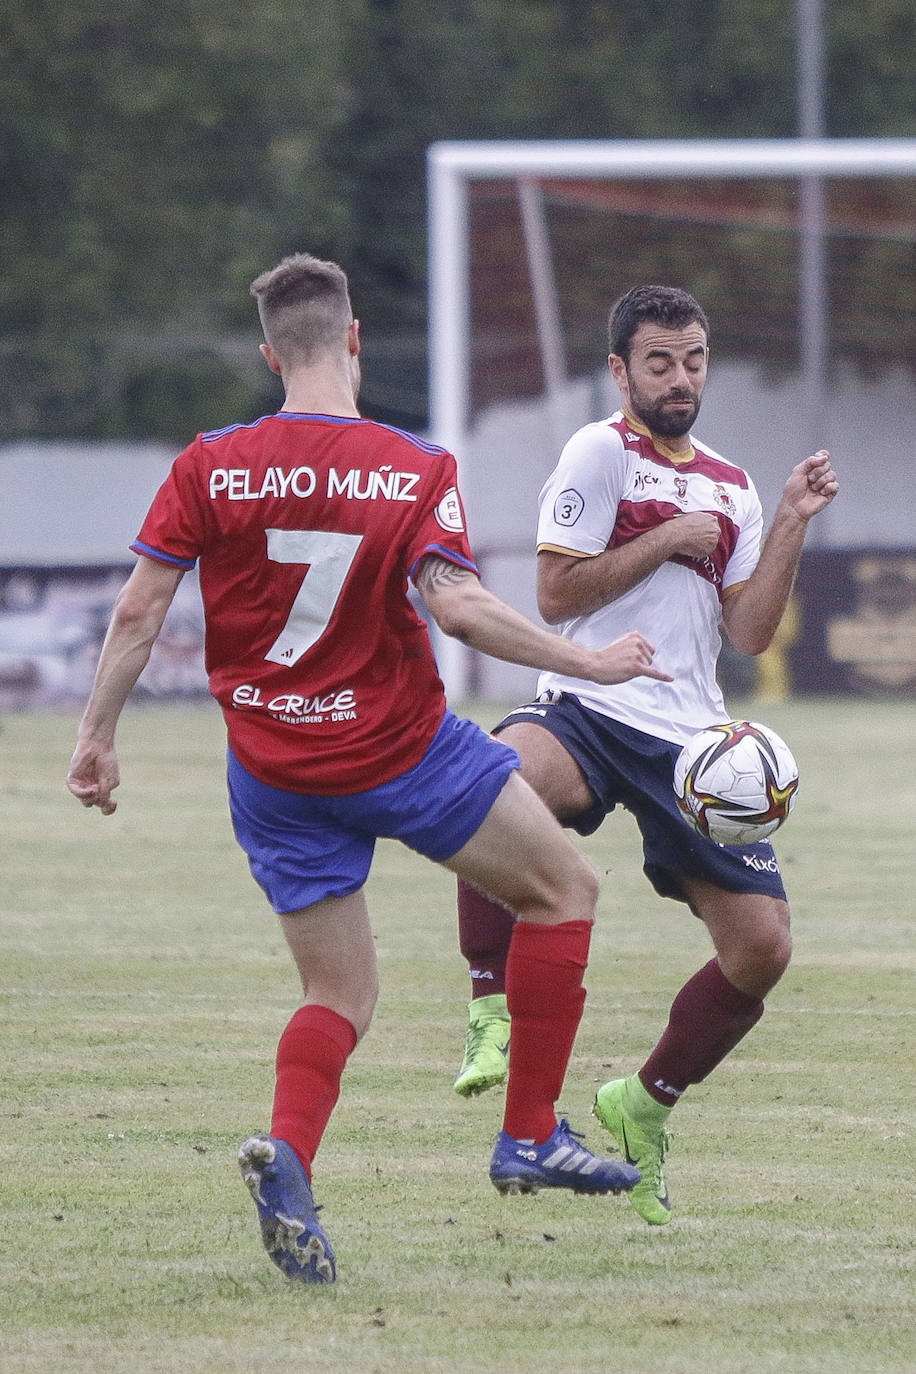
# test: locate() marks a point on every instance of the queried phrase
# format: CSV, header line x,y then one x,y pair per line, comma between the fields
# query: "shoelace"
x,y
565,1126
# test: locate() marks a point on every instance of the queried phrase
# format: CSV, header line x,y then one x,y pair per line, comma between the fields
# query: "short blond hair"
x,y
304,307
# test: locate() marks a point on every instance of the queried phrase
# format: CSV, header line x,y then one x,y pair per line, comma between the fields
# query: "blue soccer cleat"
x,y
279,1185
561,1162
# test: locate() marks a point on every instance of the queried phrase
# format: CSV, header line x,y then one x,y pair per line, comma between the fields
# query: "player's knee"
x,y
590,886
367,1006
780,951
352,995
770,950
781,935
567,893
754,954
580,894
361,1008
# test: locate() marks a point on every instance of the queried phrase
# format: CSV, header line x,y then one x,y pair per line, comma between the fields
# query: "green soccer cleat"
x,y
623,1108
486,1052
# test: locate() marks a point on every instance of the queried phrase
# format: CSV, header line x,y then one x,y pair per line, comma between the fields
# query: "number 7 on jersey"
x,y
329,557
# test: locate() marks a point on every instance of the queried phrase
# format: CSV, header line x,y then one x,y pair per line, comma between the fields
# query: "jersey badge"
x,y
448,512
568,506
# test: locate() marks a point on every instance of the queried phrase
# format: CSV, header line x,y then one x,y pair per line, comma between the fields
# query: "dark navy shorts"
x,y
302,849
625,767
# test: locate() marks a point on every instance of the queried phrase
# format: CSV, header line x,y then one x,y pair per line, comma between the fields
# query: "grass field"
x,y
142,990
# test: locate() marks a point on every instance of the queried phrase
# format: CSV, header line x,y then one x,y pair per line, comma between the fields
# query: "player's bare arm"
x,y
569,586
751,617
137,618
466,611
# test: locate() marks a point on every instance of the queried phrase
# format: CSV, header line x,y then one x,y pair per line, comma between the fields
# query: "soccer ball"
x,y
735,783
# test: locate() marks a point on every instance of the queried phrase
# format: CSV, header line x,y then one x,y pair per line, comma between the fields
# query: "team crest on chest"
x,y
723,500
680,490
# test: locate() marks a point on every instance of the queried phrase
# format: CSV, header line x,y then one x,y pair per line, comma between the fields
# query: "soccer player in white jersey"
x,y
643,526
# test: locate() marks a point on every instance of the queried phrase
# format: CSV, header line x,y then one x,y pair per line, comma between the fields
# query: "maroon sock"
x,y
484,932
545,994
310,1060
708,1018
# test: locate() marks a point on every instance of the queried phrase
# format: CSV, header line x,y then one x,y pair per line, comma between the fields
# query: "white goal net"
x,y
803,254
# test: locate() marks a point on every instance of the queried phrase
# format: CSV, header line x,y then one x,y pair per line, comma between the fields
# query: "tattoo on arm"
x,y
435,573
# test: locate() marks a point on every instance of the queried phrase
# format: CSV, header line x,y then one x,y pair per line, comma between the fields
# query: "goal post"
x,y
534,170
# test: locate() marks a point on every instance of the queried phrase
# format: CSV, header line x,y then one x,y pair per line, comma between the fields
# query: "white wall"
x,y
71,503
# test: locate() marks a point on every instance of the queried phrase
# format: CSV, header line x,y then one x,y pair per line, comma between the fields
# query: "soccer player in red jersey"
x,y
641,524
306,527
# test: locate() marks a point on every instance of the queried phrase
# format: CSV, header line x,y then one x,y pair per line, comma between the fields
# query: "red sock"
x,y
708,1018
545,995
484,932
310,1060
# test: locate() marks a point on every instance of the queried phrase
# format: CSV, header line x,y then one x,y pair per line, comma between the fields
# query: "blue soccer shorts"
x,y
303,848
628,768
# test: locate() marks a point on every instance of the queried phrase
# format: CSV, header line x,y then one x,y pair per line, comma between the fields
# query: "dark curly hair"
x,y
665,305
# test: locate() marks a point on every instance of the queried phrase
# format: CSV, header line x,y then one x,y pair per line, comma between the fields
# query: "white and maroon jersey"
x,y
612,483
306,528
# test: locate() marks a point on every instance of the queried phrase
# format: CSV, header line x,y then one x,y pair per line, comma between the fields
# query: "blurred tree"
x,y
573,69
872,74
154,158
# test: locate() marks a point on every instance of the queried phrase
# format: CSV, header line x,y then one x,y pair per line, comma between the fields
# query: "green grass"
x,y
144,984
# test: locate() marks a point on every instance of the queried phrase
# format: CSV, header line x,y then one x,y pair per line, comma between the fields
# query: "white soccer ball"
x,y
736,783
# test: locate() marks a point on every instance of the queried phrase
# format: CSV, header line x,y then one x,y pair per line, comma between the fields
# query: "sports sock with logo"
x,y
708,1018
544,974
310,1061
484,931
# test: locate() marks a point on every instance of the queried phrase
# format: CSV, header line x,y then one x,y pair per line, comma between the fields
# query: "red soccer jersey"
x,y
306,528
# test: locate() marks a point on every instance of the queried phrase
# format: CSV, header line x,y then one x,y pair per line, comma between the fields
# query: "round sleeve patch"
x,y
568,506
448,511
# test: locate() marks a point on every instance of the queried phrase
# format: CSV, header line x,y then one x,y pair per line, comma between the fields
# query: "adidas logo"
x,y
572,1160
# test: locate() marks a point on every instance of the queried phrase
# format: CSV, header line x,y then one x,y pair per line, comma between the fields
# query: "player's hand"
x,y
695,535
93,776
629,656
812,485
